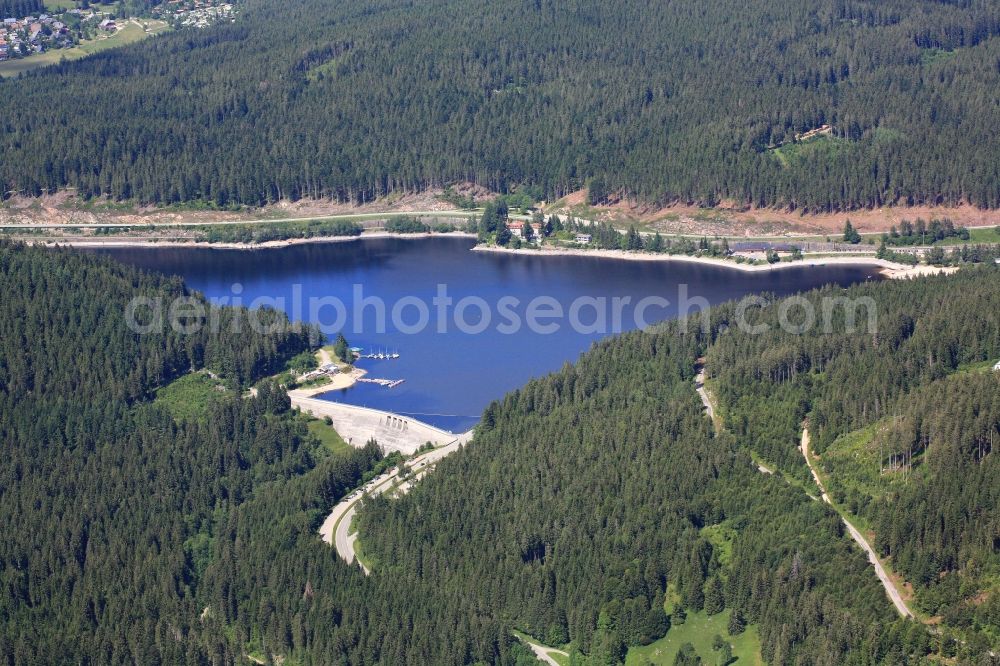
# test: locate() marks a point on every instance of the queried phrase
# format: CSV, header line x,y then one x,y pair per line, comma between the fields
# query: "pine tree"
x,y
597,191
527,231
656,245
714,599
634,240
736,624
342,349
851,234
503,235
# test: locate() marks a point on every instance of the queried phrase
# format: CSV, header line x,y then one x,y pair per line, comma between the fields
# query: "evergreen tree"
x,y
490,220
851,234
687,656
656,245
737,624
503,235
714,599
527,232
597,191
633,240
342,349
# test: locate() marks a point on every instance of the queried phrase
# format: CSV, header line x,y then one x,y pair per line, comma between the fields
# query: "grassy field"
x,y
823,145
188,397
851,473
934,56
968,368
698,630
560,659
57,6
328,437
130,34
327,69
721,537
54,6
986,235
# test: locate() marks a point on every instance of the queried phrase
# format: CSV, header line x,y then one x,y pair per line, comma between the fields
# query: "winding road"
x,y
267,220
890,588
335,530
706,399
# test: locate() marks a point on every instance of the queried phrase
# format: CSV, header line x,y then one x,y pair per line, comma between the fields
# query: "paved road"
x,y
347,216
337,525
883,576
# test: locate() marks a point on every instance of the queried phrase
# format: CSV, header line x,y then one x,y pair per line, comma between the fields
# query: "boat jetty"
x,y
388,383
382,355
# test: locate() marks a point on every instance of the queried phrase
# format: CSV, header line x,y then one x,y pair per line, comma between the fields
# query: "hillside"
x,y
904,422
690,102
608,498
609,503
596,509
924,480
140,530
106,498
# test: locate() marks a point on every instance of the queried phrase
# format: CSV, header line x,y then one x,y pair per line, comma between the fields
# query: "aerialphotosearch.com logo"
x,y
472,315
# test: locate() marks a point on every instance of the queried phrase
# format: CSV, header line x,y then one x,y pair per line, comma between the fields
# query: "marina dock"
x,y
388,383
381,356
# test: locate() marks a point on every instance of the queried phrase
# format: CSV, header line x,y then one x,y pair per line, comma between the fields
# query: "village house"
x,y
24,36
583,238
516,229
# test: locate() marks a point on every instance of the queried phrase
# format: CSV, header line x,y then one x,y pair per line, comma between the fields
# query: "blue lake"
x,y
452,374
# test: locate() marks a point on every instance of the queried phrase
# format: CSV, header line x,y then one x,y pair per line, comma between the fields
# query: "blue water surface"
x,y
450,375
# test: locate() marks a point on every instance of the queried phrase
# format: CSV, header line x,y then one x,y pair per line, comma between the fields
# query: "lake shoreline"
x,y
266,245
889,269
452,371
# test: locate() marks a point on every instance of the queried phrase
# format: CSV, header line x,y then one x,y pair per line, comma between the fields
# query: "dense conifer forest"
x,y
905,420
659,102
101,494
20,8
595,507
601,485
